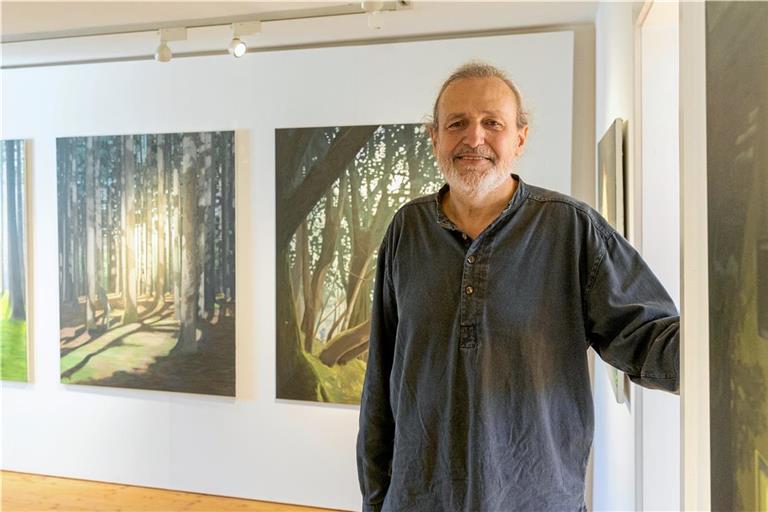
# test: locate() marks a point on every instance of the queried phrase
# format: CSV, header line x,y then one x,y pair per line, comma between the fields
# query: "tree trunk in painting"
x,y
228,224
313,299
77,235
159,298
15,231
296,379
366,232
101,270
189,258
130,314
304,262
205,228
209,268
176,235
295,275
62,176
96,297
368,238
347,345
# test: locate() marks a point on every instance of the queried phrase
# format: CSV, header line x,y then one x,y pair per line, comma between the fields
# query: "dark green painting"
x,y
737,183
337,190
13,267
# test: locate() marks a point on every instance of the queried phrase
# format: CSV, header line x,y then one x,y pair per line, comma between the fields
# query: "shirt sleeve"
x,y
375,439
631,321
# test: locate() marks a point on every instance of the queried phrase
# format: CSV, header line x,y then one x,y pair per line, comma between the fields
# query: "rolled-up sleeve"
x,y
631,321
375,438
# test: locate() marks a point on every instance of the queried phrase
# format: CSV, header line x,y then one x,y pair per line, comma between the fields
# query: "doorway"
x,y
657,107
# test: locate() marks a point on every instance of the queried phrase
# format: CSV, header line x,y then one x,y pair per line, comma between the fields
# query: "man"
x,y
477,394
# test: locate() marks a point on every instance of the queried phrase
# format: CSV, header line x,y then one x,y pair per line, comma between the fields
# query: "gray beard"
x,y
471,183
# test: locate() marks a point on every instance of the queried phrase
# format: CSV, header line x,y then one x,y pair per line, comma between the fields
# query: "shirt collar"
x,y
521,192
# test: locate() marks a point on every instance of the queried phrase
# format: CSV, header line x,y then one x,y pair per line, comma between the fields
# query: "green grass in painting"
x,y
122,349
13,344
342,383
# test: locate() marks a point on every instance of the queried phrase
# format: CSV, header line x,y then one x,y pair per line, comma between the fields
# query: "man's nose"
x,y
474,136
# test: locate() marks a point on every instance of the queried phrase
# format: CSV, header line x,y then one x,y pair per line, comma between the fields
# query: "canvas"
x,y
147,261
337,191
737,227
13,258
610,204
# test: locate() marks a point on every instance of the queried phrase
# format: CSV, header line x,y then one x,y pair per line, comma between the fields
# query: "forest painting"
x,y
147,261
337,190
737,188
13,271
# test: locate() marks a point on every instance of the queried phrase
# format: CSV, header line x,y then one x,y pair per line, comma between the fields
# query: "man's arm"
x,y
375,440
631,320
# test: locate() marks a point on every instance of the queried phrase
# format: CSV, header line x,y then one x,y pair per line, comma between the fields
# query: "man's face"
x,y
476,140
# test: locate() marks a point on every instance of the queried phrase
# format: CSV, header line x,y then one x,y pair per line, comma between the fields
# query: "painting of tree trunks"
x,y
337,190
737,235
13,268
147,261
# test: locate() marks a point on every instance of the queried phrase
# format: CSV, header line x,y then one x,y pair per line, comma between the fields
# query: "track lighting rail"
x,y
315,12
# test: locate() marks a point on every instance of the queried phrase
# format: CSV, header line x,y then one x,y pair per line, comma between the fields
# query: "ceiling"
x,y
29,19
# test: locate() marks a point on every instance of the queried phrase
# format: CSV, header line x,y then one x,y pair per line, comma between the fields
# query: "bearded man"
x,y
477,394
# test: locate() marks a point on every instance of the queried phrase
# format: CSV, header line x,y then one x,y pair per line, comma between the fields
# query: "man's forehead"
x,y
492,91
463,113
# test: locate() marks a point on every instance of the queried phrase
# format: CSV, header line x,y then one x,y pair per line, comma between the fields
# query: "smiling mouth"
x,y
472,158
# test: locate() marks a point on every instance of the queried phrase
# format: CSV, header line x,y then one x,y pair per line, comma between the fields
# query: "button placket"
x,y
469,295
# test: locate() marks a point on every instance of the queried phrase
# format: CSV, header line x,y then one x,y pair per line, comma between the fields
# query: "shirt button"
x,y
471,259
464,236
469,290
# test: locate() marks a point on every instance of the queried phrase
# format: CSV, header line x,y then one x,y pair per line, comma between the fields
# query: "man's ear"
x,y
432,127
522,136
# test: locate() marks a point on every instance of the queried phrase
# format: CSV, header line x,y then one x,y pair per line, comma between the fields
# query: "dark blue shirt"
x,y
477,395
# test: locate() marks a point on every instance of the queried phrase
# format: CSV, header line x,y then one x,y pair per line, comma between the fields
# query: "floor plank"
x,y
23,492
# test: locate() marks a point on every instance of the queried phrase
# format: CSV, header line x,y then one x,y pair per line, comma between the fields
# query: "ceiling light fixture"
x,y
163,52
237,47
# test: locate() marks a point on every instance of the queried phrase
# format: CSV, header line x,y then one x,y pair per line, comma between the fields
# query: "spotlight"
x,y
237,47
163,52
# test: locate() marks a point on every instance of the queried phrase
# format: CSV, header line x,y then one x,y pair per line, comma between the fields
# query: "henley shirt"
x,y
477,394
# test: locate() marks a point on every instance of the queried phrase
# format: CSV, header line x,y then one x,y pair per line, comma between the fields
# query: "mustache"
x,y
482,151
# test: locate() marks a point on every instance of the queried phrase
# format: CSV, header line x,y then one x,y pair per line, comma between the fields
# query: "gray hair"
x,y
478,69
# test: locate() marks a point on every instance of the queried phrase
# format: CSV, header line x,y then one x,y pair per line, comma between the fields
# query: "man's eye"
x,y
455,124
493,123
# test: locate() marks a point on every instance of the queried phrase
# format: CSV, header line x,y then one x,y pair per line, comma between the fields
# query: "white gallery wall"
x,y
661,238
251,446
614,444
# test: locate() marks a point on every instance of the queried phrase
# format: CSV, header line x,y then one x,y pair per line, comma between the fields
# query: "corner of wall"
x,y
614,443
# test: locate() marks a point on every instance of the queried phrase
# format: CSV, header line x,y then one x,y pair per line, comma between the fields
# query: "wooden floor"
x,y
22,492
